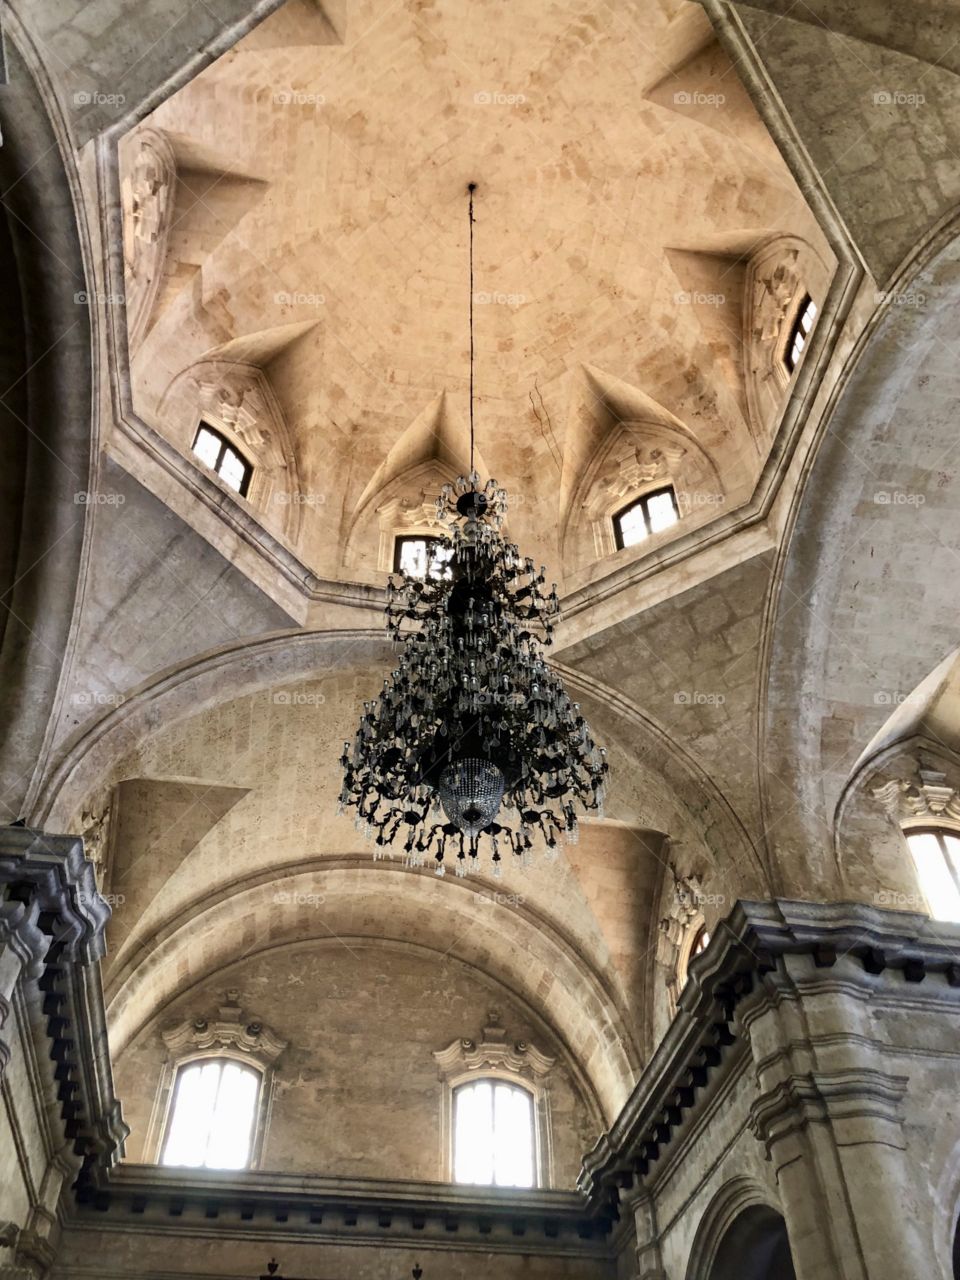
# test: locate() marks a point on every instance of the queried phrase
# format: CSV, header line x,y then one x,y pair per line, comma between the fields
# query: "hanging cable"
x,y
471,188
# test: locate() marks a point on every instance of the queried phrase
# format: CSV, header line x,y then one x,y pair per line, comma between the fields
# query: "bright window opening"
x,y
936,855
800,332
649,514
423,557
494,1140
700,942
213,1114
220,456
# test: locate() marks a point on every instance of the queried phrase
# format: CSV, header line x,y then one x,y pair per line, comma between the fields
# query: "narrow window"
x,y
700,942
213,1114
494,1135
423,557
800,332
220,456
646,515
936,855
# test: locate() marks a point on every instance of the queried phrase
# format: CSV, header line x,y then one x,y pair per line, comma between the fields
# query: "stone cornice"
x,y
148,1197
52,872
52,922
817,1097
748,952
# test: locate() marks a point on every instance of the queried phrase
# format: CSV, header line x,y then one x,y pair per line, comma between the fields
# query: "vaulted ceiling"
x,y
289,226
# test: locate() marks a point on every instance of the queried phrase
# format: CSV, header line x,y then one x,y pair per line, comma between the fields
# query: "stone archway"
x,y
854,628
755,1247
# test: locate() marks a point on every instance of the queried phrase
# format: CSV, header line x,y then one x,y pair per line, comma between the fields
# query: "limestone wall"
x,y
357,1091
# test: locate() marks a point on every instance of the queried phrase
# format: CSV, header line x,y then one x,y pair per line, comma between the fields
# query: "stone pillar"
x,y
828,1112
649,1261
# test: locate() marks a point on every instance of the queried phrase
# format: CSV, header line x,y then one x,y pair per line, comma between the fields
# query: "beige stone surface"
x,y
357,1092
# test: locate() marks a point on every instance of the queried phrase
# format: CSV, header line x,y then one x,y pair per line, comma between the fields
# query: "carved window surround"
x,y
406,517
493,1057
779,276
679,930
232,1036
931,801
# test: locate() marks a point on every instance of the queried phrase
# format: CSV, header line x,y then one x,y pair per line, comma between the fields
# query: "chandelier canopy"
x,y
474,740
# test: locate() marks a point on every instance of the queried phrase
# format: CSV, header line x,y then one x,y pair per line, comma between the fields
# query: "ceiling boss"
x,y
473,742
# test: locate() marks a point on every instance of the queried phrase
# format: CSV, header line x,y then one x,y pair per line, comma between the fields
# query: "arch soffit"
x,y
729,1202
511,943
228,673
807,536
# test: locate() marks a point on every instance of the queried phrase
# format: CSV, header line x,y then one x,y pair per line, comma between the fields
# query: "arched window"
x,y
212,1116
936,856
494,1134
646,515
700,942
799,332
214,449
420,556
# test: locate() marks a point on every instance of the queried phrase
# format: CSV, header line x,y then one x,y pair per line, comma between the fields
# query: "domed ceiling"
x,y
296,258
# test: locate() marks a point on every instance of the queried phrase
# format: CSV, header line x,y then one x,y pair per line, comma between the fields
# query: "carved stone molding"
x,y
677,931
907,800
25,1255
779,275
871,1099
635,458
95,831
237,399
148,192
768,956
232,1032
23,946
493,1053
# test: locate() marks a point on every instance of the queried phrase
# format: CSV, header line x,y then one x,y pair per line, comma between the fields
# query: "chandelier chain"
x,y
471,189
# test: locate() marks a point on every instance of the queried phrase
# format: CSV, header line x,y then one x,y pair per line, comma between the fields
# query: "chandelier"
x,y
473,742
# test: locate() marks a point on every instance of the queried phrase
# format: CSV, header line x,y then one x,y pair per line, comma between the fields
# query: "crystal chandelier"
x,y
474,741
